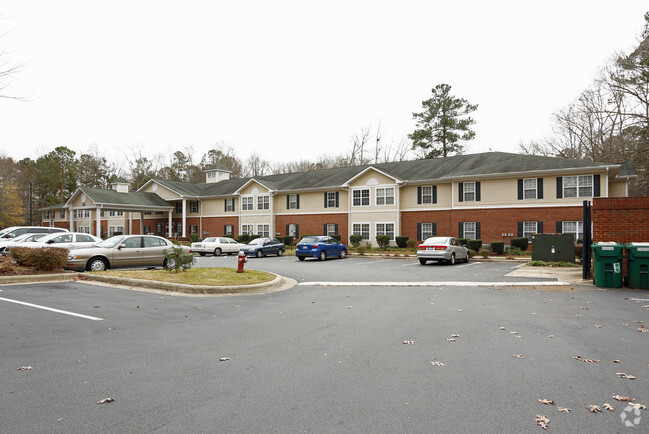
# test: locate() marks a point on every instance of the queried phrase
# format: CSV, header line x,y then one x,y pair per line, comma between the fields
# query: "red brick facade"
x,y
493,221
313,224
623,220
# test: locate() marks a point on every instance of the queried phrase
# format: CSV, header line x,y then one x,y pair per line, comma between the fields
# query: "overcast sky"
x,y
292,79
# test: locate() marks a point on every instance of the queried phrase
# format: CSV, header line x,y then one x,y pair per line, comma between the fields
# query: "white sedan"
x,y
216,246
65,240
446,249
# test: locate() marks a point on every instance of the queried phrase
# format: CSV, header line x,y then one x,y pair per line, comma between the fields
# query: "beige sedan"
x,y
122,251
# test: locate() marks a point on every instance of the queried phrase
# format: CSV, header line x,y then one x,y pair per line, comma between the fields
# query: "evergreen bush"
x,y
402,241
355,240
520,242
383,241
474,244
497,247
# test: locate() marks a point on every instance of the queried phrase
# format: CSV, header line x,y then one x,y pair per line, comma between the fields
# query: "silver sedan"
x,y
446,249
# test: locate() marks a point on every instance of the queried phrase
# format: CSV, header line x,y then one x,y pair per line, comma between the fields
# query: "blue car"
x,y
321,247
263,246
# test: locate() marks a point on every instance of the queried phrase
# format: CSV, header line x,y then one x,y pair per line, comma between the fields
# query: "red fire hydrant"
x,y
241,259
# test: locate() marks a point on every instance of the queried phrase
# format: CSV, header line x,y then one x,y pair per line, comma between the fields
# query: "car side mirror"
x,y
121,246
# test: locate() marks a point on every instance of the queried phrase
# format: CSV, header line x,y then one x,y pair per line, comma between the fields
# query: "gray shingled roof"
x,y
105,196
218,166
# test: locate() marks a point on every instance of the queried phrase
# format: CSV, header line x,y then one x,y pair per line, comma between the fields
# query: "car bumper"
x,y
76,265
440,255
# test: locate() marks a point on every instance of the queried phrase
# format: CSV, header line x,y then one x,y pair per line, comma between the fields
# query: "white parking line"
x,y
544,283
65,312
373,261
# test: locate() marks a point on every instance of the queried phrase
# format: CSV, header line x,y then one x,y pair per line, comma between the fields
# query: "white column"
x,y
98,224
169,234
184,234
71,220
130,223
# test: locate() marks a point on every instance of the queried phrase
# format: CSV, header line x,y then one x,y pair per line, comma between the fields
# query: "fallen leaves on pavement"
x,y
437,364
564,409
105,401
594,408
519,356
224,359
608,407
24,368
623,375
542,421
546,401
622,398
638,406
408,342
585,360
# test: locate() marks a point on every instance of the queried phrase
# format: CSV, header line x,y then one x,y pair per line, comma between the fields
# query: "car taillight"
x,y
315,246
440,247
422,247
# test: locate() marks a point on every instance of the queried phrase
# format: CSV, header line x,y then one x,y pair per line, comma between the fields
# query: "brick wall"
x,y
493,221
623,220
313,224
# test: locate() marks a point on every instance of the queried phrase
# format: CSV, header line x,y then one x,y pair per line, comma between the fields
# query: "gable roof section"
x,y
107,198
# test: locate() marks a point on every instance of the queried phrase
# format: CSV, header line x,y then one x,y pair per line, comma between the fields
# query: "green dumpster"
x,y
637,265
608,264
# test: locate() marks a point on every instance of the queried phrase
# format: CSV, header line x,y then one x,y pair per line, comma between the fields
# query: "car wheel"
x,y
202,253
280,252
422,261
169,263
452,260
467,258
97,264
343,254
258,254
217,252
301,258
322,256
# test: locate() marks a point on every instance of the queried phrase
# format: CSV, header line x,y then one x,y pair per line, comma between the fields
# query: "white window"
x,y
470,230
331,199
193,229
86,213
193,206
427,194
62,214
229,230
576,228
529,188
362,229
361,197
578,186
179,207
426,230
469,192
292,201
247,203
229,205
147,213
119,213
46,215
263,230
331,229
179,228
529,228
248,229
211,175
263,202
292,230
385,196
385,229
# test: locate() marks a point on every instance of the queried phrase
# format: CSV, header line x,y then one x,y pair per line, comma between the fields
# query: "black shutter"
x,y
520,191
539,227
287,230
297,200
325,230
234,208
477,230
559,227
596,186
520,229
297,232
539,188
460,230
419,232
477,191
288,201
336,199
226,205
225,230
434,228
461,191
434,194
559,188
336,229
325,199
418,195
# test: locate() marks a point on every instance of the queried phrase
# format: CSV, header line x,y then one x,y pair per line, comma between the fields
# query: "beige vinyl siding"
x,y
161,191
408,196
371,177
311,202
617,189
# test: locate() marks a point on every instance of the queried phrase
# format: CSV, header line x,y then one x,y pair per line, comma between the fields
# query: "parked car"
x,y
264,246
68,240
19,240
122,251
216,246
321,247
447,249
14,231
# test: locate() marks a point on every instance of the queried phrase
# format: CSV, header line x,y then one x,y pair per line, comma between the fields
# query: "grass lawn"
x,y
196,276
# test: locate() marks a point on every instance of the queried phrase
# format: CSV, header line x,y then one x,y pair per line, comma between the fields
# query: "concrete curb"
x,y
32,278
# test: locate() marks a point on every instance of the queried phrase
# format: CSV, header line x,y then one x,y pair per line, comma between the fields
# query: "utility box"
x,y
608,264
637,267
553,248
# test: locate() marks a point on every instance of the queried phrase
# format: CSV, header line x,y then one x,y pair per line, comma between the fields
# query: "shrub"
x,y
193,237
383,241
579,251
48,258
20,255
474,244
355,240
178,259
288,240
254,236
462,241
411,244
243,238
498,247
472,253
368,245
360,250
337,237
514,251
484,253
7,265
520,243
402,241
117,233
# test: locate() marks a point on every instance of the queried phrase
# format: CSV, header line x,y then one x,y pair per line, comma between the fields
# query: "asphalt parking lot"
x,y
325,358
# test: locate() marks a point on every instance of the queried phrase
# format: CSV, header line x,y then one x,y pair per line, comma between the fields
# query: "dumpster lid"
x,y
638,244
607,243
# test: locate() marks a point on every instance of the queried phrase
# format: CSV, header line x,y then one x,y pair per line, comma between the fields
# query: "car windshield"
x,y
437,240
32,237
110,242
209,240
257,242
309,240
22,237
